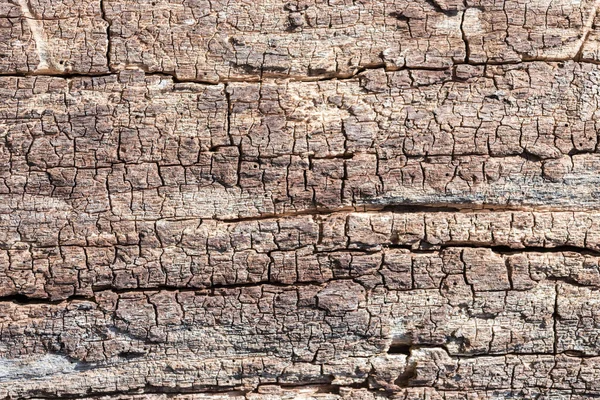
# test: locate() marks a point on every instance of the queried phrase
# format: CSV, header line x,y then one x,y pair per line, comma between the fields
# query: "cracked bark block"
x,y
218,40
65,257
591,47
575,321
52,37
292,334
506,374
421,113
439,304
148,147
513,31
213,41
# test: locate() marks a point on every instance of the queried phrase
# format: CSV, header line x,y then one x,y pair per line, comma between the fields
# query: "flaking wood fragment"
x,y
342,199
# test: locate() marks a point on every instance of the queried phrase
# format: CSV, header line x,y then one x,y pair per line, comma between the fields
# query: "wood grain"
x,y
343,199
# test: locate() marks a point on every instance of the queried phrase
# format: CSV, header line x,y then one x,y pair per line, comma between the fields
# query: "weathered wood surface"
x,y
287,200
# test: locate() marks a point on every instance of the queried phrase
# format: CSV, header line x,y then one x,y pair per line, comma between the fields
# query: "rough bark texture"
x,y
342,199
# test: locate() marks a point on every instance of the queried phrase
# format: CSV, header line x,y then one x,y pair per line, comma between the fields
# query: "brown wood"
x,y
342,199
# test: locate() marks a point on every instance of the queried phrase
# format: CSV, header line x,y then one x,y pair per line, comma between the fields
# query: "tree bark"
x,y
342,199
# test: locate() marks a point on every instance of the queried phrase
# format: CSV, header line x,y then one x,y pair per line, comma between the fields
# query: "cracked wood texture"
x,y
265,199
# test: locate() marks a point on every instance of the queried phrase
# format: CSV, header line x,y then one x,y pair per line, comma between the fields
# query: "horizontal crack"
x,y
296,78
408,349
398,208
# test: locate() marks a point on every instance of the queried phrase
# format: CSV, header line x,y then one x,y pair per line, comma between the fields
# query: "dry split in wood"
x,y
263,200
